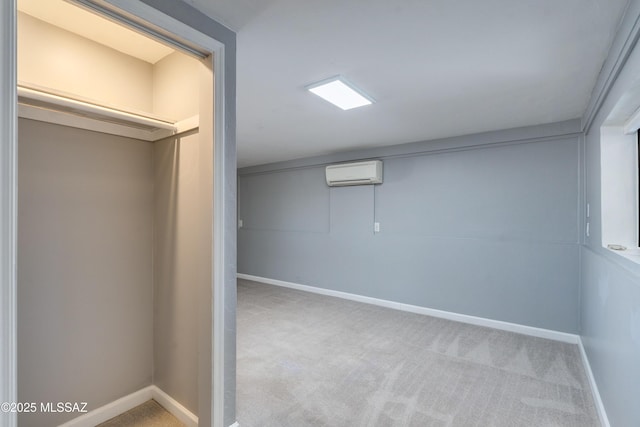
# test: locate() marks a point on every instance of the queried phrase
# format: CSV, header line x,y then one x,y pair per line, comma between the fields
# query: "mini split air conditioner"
x,y
359,173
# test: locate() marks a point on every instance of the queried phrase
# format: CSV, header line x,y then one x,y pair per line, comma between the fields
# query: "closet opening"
x,y
121,188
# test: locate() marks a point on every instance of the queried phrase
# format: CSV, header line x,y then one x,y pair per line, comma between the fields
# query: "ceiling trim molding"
x,y
623,43
524,135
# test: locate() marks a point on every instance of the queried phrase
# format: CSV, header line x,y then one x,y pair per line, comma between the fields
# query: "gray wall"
x,y
84,267
610,286
175,267
610,302
484,225
110,266
178,256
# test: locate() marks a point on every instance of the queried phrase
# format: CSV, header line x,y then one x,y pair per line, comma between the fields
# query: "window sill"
x,y
632,254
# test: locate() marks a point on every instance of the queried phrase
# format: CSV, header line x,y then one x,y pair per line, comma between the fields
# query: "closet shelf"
x,y
41,105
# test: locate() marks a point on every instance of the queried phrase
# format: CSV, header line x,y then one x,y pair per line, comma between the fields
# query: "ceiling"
x,y
88,25
437,68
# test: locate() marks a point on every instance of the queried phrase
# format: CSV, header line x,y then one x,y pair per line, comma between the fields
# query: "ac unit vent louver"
x,y
358,173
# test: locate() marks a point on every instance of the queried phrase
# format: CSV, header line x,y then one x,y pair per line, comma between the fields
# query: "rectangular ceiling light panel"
x,y
338,92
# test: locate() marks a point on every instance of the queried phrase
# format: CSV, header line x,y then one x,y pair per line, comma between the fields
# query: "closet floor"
x,y
149,414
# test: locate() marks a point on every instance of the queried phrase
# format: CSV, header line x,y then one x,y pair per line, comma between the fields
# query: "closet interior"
x,y
115,171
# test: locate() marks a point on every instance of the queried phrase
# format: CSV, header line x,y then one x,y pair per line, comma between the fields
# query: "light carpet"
x,y
149,414
311,360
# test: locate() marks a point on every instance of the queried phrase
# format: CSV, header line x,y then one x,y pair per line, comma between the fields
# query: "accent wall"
x,y
484,225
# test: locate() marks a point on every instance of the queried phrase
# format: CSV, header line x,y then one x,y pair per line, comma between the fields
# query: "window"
x,y
620,180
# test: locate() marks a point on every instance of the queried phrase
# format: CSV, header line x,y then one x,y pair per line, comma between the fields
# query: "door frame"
x,y
8,212
183,22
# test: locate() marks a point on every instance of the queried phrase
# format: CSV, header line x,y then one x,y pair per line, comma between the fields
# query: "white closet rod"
x,y
92,108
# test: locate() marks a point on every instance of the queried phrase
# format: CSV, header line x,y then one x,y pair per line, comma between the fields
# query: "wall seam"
x,y
582,221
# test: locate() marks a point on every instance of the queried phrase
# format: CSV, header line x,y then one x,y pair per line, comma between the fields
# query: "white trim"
x,y
79,122
174,407
113,409
188,124
66,103
128,402
219,265
473,320
235,424
8,211
619,195
602,413
61,109
633,123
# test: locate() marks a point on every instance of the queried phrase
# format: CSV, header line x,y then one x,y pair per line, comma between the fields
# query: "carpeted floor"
x,y
311,360
149,414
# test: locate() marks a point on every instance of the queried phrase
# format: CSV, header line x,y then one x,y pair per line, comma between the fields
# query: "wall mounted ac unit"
x,y
358,173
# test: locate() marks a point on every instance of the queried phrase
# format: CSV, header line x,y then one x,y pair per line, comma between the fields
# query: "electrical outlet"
x,y
376,227
239,223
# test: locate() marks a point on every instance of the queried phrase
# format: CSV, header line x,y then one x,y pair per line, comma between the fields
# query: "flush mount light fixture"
x,y
340,93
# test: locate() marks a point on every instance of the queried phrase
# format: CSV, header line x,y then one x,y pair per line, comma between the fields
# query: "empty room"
x,y
458,244
360,213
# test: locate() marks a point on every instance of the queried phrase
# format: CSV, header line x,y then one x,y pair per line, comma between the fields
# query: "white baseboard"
x,y
474,320
602,413
235,424
110,410
174,407
122,405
